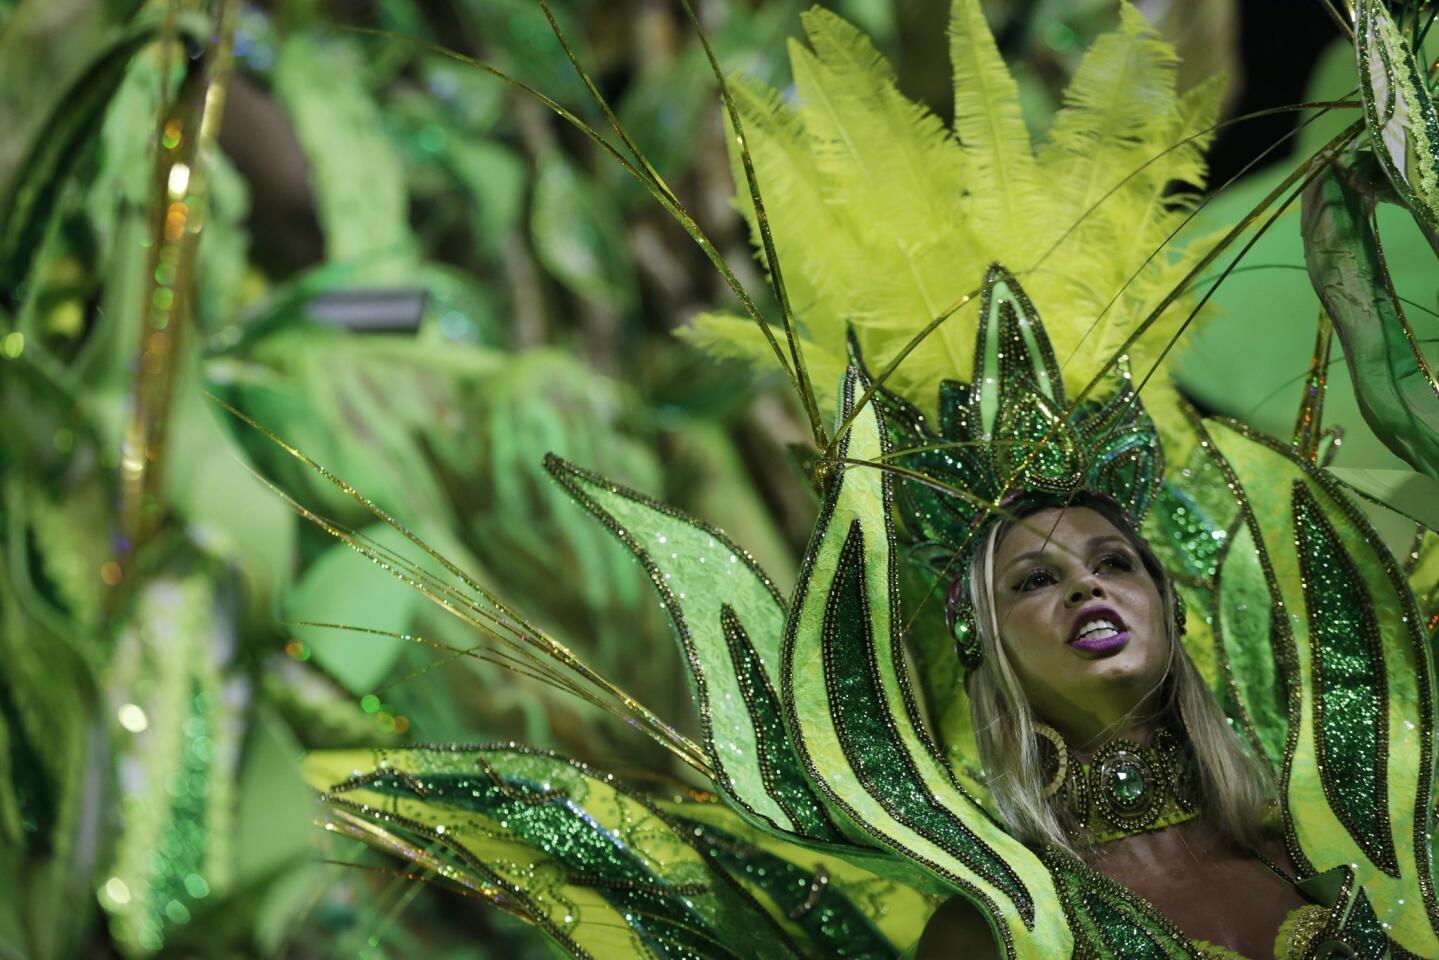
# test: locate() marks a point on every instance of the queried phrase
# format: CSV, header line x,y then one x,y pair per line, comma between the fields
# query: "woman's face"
x,y
1081,620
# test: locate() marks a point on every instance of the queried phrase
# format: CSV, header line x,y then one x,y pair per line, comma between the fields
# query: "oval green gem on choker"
x,y
1127,788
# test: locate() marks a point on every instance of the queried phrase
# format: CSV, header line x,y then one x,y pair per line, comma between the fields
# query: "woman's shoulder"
x,y
957,929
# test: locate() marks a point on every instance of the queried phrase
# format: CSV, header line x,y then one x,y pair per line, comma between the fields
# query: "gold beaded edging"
x,y
972,892
565,473
470,860
1411,617
1287,655
1382,855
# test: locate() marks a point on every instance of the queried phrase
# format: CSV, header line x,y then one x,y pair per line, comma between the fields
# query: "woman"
x,y
1080,628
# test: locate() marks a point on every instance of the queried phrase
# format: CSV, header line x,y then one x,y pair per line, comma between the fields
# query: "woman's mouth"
x,y
1099,630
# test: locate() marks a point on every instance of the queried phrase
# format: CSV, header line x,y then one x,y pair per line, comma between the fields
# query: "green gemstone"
x,y
1125,786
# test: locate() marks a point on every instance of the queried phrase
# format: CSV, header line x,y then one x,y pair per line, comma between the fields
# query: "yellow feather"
x,y
883,219
990,126
729,337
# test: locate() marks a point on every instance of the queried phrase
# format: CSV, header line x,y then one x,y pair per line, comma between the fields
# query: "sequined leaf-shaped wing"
x,y
847,902
728,618
1011,349
1358,765
1399,111
601,870
937,463
849,702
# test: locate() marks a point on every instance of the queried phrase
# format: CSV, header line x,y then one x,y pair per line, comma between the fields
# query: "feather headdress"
x,y
884,218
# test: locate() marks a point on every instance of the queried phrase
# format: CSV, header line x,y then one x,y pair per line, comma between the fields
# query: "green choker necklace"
x,y
1125,789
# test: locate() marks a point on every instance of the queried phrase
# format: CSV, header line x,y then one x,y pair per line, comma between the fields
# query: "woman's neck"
x,y
1089,734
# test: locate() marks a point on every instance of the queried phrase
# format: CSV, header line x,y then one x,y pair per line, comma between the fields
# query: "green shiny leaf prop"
x,y
1358,772
1396,390
845,901
849,701
1110,920
598,868
729,618
1399,111
1416,495
1253,690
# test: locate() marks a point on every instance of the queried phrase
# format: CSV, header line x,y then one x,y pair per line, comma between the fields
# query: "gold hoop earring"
x,y
1061,752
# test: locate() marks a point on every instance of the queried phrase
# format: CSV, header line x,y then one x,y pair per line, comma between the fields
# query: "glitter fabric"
x,y
806,897
1399,111
603,870
870,747
698,572
1010,430
654,908
1111,921
1194,539
1345,623
1348,682
776,755
1363,931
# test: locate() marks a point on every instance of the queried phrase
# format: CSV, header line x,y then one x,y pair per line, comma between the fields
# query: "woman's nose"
x,y
1086,589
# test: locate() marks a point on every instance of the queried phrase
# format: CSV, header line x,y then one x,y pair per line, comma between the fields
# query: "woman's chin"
x,y
1129,666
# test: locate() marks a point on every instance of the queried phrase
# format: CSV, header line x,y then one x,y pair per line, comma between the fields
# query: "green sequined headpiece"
x,y
1009,435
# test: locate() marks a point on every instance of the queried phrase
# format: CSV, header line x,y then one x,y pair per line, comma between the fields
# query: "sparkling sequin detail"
x,y
1006,432
697,571
870,747
1399,110
776,755
1318,840
1349,687
1109,921
834,924
548,834
1362,929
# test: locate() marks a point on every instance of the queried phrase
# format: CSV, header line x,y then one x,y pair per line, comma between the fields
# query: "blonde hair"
x,y
1236,789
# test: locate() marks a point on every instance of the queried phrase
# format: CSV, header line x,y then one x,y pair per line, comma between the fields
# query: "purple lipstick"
x,y
1099,629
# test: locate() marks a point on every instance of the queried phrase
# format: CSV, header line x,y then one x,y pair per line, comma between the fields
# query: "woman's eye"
x,y
1116,561
1036,579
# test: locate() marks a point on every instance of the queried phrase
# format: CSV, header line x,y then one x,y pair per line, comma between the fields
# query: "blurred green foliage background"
x,y
155,698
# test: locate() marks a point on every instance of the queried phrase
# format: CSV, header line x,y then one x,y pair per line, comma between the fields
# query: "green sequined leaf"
x,y
1037,442
1110,922
714,594
1349,688
1011,351
850,705
877,886
1295,535
599,869
836,925
1399,111
778,765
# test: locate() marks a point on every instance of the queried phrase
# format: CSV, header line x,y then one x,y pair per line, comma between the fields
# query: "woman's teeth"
x,y
1097,630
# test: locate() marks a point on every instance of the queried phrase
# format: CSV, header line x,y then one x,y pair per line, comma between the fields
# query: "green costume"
x,y
847,804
